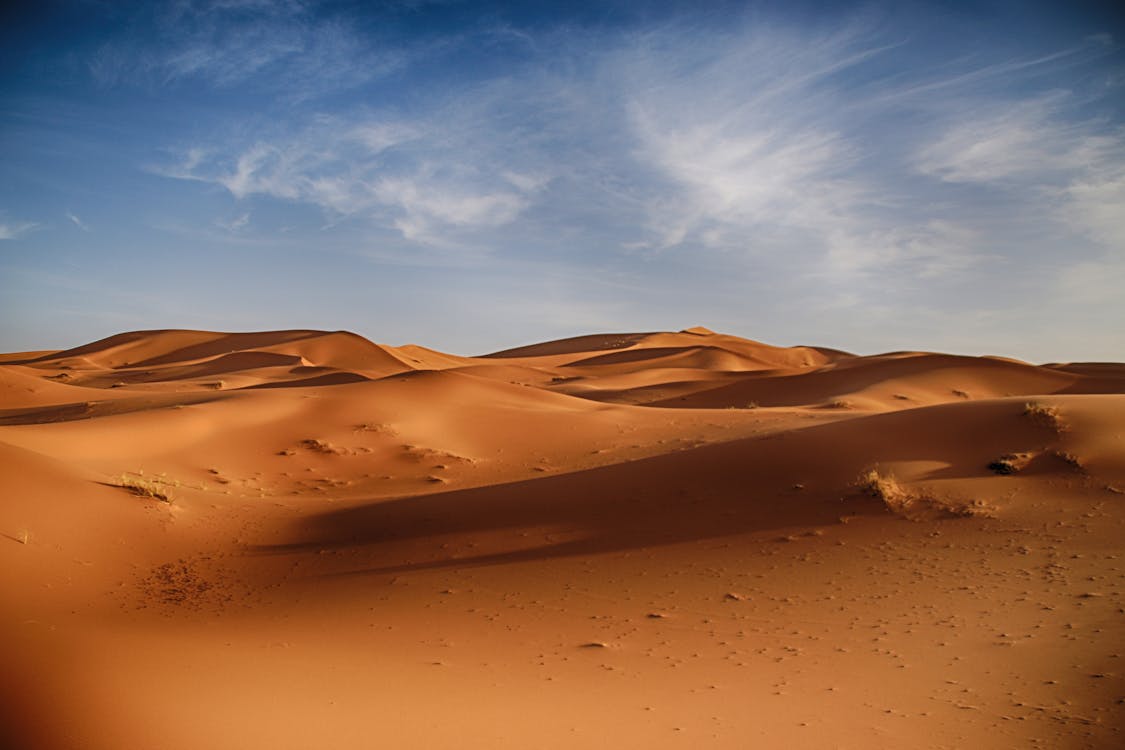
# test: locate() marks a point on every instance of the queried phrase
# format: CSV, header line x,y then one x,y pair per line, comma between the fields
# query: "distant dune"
x,y
302,539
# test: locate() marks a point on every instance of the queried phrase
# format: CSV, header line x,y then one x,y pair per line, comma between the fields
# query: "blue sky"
x,y
472,176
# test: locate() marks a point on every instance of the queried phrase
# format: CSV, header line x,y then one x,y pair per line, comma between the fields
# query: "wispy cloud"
x,y
236,224
285,46
1020,141
14,230
742,132
431,178
1094,204
800,150
77,221
827,161
1060,168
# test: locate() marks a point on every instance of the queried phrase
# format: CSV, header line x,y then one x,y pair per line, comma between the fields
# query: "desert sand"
x,y
303,539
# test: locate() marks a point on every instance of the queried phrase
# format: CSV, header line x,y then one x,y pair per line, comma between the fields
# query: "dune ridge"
x,y
647,540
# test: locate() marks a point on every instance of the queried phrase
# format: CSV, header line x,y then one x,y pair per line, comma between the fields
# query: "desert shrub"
x,y
1002,465
1070,459
1043,415
1010,463
320,446
883,488
144,487
917,506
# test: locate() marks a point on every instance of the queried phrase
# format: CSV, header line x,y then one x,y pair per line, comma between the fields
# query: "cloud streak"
x,y
1012,143
14,230
77,222
284,46
743,137
419,178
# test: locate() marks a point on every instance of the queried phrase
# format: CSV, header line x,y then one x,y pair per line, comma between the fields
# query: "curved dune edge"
x,y
306,539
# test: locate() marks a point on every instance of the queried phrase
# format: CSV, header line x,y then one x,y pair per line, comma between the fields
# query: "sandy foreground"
x,y
302,539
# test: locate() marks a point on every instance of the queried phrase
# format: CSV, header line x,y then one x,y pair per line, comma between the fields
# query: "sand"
x,y
303,539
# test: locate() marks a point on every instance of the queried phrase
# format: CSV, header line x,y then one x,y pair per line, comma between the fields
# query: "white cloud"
x,y
263,168
424,201
763,155
12,231
428,182
236,224
77,221
923,251
283,46
1094,204
1058,167
378,136
1016,141
741,134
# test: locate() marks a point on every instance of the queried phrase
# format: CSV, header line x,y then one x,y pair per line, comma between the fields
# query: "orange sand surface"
x,y
303,539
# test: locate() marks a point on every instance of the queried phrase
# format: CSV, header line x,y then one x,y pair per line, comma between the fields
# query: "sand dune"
x,y
248,358
304,539
878,382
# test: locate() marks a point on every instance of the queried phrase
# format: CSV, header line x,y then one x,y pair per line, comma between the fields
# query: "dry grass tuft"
x,y
1070,459
320,446
916,506
379,427
1044,415
141,486
883,488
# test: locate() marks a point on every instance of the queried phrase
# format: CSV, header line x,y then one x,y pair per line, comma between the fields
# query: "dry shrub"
x,y
1010,463
914,505
142,487
320,446
884,488
379,427
1070,459
1043,415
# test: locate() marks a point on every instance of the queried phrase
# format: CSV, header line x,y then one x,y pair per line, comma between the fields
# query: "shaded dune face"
x,y
627,540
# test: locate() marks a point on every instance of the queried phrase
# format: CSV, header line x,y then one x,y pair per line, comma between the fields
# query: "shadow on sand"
x,y
743,487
